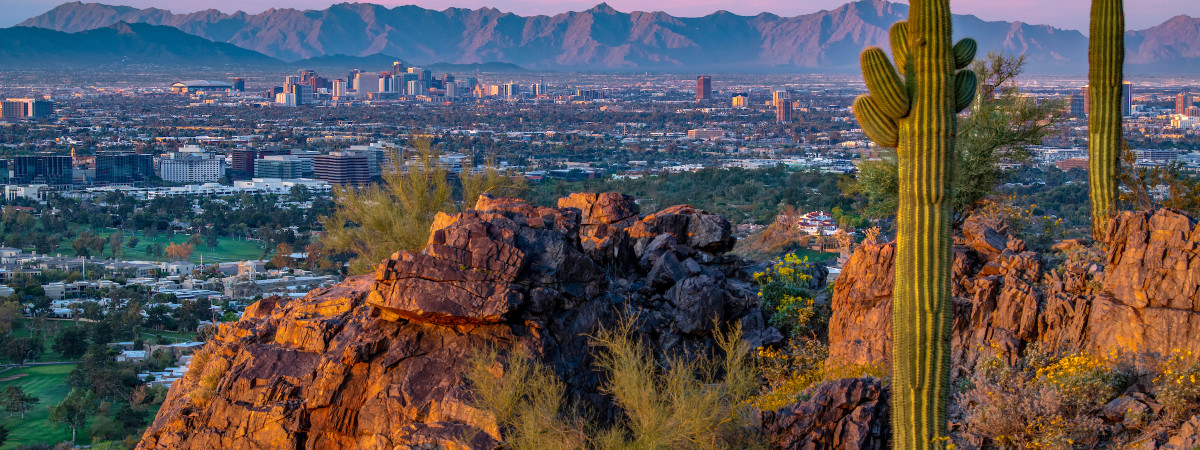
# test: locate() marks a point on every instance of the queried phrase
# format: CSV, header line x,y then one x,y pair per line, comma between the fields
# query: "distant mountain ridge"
x,y
603,38
120,44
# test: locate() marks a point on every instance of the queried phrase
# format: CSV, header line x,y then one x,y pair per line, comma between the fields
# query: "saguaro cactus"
x,y
916,114
1106,58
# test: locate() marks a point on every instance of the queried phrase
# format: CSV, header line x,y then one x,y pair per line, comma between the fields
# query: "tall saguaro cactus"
x,y
1106,59
914,111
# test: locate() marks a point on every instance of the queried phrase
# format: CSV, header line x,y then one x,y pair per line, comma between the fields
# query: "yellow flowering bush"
x,y
1178,386
1042,401
783,290
792,369
1082,380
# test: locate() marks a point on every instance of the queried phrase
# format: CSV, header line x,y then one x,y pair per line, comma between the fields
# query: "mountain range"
x,y
603,38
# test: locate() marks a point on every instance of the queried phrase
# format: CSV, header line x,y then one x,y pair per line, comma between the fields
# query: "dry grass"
x,y
690,403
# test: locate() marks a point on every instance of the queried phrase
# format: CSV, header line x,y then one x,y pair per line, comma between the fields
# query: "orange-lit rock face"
x,y
1005,300
376,362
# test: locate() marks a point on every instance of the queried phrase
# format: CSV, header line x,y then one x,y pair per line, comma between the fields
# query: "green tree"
x,y
71,342
375,221
17,401
19,350
74,411
999,130
116,244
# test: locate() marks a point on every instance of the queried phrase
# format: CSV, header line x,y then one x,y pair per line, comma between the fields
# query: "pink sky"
x,y
1071,14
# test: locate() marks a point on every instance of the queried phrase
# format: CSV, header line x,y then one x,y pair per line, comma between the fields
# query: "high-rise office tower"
x,y
782,101
123,167
452,90
339,89
239,84
511,89
44,168
1183,101
366,82
397,68
703,87
342,168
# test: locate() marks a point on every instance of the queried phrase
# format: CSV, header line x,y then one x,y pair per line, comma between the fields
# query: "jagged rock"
x,y
377,361
1143,299
1150,284
1188,437
850,413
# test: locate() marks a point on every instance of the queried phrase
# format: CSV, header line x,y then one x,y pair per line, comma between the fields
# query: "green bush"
x,y
785,297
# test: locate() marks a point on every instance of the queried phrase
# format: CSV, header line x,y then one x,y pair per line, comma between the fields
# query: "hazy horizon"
x,y
1067,14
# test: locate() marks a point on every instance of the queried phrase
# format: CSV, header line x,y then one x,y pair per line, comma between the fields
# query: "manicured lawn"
x,y
227,250
174,336
49,385
814,255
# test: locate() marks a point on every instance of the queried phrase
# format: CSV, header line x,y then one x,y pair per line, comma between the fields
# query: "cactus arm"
x,y
964,89
887,90
875,124
1106,57
898,36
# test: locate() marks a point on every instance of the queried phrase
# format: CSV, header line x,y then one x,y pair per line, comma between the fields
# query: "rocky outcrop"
x,y
1140,297
850,413
376,361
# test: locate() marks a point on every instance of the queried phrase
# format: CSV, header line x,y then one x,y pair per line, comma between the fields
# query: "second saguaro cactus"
x,y
914,110
1106,58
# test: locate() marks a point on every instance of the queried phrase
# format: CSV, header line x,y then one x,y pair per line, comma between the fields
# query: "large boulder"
x,y
849,414
377,361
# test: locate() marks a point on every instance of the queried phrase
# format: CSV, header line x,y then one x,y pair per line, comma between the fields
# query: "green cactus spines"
x,y
964,89
1106,58
899,39
964,53
884,83
875,124
921,314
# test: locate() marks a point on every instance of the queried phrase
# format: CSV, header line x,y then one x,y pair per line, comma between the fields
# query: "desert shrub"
x,y
783,292
1178,385
791,370
206,369
1082,380
1038,406
526,400
690,403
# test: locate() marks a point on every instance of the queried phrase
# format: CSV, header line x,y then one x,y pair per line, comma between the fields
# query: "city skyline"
x,y
1069,14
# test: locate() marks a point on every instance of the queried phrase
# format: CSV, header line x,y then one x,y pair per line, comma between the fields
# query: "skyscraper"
x,y
239,84
398,68
782,101
703,87
1183,101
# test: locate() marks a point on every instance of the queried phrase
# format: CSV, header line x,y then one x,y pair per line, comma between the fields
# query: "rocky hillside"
x,y
604,38
377,361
